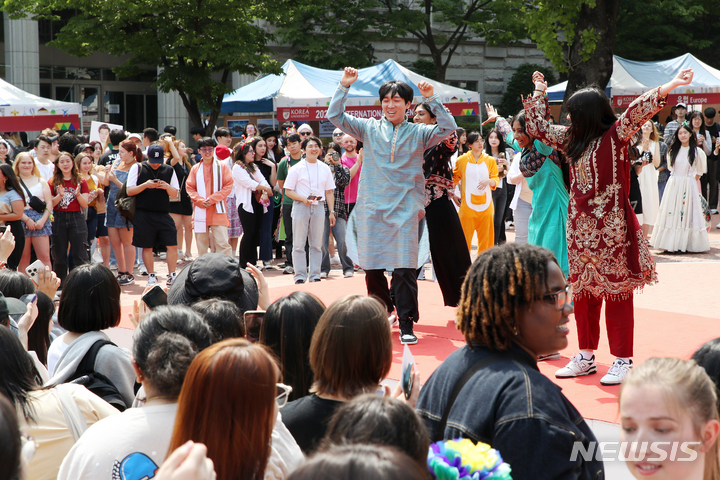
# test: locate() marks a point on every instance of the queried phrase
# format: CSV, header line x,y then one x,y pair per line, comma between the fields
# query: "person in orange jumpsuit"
x,y
477,173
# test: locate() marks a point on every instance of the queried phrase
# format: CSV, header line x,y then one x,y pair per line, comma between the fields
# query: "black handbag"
x,y
35,203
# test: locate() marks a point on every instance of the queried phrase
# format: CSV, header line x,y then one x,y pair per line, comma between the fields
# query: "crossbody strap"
x,y
30,195
73,416
488,360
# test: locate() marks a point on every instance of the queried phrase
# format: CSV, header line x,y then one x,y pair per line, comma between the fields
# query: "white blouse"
x,y
245,184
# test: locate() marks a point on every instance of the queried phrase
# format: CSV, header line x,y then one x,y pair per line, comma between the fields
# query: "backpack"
x,y
94,381
125,204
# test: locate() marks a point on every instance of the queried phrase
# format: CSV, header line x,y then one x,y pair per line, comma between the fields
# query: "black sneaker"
x,y
125,279
407,337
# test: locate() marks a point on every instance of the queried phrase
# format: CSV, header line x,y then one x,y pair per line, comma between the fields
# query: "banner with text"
x,y
285,114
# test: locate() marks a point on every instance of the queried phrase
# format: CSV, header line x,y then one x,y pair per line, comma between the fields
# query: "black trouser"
x,y
450,256
287,222
500,200
16,227
251,224
710,179
68,227
405,291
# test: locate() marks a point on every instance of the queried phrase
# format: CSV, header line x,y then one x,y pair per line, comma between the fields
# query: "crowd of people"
x,y
304,393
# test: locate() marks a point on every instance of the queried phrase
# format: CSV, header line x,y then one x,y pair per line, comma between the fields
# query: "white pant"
x,y
521,218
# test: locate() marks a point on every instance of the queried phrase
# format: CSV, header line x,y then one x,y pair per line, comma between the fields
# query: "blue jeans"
x,y
308,224
522,218
339,234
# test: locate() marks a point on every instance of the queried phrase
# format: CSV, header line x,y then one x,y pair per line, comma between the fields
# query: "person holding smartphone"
x,y
309,184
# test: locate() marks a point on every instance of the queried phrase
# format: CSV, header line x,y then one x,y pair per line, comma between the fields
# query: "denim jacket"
x,y
513,407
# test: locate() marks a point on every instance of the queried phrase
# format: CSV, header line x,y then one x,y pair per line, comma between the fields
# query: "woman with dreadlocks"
x,y
514,307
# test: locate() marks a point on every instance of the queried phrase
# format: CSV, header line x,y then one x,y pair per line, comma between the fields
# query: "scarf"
x,y
217,181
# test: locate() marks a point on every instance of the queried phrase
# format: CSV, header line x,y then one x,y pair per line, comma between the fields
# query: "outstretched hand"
x,y
349,76
426,89
491,112
684,77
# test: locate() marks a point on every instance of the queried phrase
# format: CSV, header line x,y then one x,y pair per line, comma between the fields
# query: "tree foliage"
x,y
197,44
661,29
333,34
521,84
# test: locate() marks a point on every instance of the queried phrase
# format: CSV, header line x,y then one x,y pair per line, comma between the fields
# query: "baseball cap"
x,y
155,154
681,105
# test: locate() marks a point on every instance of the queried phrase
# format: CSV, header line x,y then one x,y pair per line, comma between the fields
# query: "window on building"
x,y
464,84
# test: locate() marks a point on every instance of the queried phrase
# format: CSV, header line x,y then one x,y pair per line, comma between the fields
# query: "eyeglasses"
x,y
283,392
206,149
561,298
305,134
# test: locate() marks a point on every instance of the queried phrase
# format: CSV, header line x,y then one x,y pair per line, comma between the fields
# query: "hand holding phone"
x,y
33,271
155,297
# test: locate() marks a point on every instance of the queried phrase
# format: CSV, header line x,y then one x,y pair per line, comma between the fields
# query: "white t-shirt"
x,y
135,442
45,170
56,350
306,178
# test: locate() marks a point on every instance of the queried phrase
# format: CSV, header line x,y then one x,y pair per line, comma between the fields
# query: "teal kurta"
x,y
547,225
391,194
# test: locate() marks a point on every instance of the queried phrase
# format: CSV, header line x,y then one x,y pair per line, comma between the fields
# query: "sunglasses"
x,y
561,298
206,149
338,134
283,393
305,134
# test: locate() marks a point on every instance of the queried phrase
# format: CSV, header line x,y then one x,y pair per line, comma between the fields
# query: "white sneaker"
x,y
617,372
577,367
143,269
170,279
335,260
152,279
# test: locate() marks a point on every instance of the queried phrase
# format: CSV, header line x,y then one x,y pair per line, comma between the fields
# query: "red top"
x,y
69,201
607,252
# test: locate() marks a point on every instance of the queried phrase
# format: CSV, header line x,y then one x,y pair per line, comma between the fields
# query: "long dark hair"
x,y
462,147
690,118
501,148
591,115
18,376
11,181
38,338
240,157
676,144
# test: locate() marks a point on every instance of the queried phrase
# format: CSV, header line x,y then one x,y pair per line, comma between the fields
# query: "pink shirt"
x,y
351,190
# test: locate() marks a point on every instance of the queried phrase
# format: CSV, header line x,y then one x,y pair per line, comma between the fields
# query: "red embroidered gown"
x,y
607,253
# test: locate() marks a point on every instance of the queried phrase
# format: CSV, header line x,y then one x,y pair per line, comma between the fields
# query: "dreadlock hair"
x,y
501,280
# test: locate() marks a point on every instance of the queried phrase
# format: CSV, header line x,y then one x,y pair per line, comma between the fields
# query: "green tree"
x,y
650,30
424,67
521,84
578,37
197,44
332,34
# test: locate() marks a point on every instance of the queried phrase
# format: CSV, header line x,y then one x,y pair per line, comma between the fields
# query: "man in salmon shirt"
x,y
208,184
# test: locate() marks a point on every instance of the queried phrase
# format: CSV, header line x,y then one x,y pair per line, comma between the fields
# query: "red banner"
x,y
285,114
26,123
622,101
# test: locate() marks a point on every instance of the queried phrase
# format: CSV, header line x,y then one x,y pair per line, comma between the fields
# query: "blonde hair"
x,y
78,161
168,152
654,135
686,384
16,164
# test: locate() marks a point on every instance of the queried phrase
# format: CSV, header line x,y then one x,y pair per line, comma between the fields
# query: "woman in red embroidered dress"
x,y
607,253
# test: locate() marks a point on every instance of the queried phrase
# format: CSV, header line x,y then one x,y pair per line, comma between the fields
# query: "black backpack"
x,y
94,381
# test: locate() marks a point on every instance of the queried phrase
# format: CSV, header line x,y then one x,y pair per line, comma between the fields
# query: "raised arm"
x,y
445,125
336,111
536,125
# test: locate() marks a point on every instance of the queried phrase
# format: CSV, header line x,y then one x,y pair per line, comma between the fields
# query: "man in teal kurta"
x,y
390,200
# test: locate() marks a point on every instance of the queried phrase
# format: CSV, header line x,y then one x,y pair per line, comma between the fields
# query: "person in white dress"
x,y
680,224
648,177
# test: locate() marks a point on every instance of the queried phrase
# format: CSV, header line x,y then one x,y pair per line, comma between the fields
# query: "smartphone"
x,y
33,270
408,372
407,380
253,322
313,197
2,229
155,297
